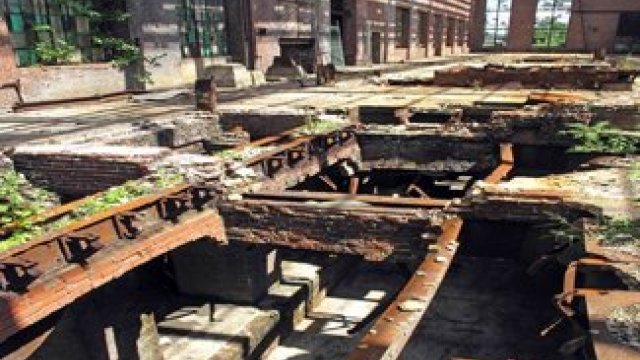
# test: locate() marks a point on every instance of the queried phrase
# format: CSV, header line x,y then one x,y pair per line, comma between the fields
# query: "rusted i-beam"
x,y
390,333
43,275
505,167
375,200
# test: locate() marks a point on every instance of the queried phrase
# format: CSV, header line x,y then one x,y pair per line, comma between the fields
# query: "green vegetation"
x,y
19,203
600,137
58,53
561,230
619,231
315,126
96,37
17,210
244,153
634,172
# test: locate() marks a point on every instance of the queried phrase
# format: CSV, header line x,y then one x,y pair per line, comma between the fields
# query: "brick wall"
x,y
427,152
379,16
80,170
375,235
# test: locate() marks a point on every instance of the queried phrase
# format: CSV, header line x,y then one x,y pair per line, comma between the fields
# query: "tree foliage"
x,y
600,137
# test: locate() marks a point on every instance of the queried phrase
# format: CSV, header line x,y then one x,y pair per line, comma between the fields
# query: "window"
x,y
552,23
48,23
496,26
402,27
451,31
423,29
203,28
462,32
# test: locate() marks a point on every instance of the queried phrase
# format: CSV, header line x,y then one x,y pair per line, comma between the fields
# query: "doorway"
x,y
376,47
437,36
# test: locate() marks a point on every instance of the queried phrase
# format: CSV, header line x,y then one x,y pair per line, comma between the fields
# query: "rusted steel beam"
x,y
307,145
376,233
124,237
62,283
375,200
390,333
505,167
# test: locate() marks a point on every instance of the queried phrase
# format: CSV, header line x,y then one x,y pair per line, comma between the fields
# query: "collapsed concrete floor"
x,y
393,221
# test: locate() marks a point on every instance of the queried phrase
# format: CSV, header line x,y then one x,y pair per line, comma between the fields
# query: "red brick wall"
x,y
379,16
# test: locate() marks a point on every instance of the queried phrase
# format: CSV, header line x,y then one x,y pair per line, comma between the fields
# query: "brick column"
x,y
476,24
8,70
414,20
523,17
430,51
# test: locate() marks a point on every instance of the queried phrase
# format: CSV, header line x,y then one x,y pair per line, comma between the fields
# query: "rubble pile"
x,y
624,325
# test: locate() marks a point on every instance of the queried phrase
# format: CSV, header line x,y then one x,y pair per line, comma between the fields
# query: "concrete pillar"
x,y
523,17
323,35
235,273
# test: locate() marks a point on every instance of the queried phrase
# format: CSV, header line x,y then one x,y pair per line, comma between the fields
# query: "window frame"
x,y
549,32
423,28
402,27
497,32
203,29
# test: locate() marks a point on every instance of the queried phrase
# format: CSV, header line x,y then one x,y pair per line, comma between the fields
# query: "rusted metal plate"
x,y
391,332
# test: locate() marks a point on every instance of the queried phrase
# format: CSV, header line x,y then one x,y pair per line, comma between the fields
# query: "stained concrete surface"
x,y
486,308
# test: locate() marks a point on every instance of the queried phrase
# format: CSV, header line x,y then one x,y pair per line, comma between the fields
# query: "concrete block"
x,y
230,75
235,273
258,78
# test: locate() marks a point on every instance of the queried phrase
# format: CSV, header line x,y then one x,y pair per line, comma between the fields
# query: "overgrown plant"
x,y
619,231
58,53
123,51
600,137
20,211
561,229
314,125
19,203
634,172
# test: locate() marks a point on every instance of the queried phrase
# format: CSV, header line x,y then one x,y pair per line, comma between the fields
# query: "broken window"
x,y
628,34
423,29
37,26
496,26
552,23
203,28
402,27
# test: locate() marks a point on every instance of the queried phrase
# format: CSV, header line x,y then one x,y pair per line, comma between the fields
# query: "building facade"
x,y
378,31
47,44
556,25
